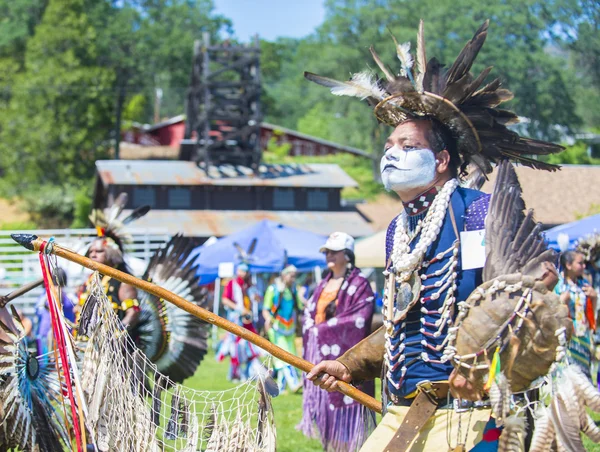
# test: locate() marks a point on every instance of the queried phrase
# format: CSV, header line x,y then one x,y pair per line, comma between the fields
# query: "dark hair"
x,y
60,277
351,257
331,308
440,138
567,257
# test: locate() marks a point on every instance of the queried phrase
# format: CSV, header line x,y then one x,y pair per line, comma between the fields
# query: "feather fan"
x,y
173,339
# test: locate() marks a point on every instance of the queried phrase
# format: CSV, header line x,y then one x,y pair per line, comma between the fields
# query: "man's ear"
x,y
442,159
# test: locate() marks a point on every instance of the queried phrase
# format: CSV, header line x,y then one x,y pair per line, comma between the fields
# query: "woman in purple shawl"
x,y
337,316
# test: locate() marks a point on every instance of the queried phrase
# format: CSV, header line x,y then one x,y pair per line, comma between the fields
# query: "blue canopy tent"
x,y
574,231
276,245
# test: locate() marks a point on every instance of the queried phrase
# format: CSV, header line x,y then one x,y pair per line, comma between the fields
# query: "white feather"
x,y
564,413
584,388
513,435
406,59
563,241
543,432
360,85
590,429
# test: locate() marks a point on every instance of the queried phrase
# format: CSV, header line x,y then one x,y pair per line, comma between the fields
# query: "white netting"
x,y
132,407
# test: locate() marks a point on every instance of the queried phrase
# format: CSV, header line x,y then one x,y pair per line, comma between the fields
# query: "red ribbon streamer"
x,y
61,345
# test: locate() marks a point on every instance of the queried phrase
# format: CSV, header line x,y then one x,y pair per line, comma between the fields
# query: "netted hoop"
x,y
131,406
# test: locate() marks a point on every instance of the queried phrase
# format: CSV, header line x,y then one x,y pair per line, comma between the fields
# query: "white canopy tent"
x,y
370,251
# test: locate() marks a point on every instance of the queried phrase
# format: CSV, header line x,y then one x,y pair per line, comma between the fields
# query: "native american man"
x,y
123,297
442,123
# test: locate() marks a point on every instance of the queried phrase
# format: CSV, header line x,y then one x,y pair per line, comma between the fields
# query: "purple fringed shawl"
x,y
340,423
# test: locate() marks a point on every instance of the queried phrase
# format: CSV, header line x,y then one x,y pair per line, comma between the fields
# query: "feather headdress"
x,y
589,246
453,97
108,224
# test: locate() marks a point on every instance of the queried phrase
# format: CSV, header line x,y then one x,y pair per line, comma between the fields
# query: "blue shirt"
x,y
413,354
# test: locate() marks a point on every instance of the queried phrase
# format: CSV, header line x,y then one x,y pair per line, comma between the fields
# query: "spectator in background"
x,y
238,306
308,287
280,312
581,299
337,317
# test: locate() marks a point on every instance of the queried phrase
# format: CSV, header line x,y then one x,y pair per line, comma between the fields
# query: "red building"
x,y
171,132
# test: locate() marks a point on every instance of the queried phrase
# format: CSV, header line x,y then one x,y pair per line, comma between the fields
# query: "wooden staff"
x,y
5,299
33,243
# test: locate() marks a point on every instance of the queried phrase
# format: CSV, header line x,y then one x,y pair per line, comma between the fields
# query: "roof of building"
x,y
351,150
264,125
559,197
165,123
152,172
206,223
381,211
556,198
131,151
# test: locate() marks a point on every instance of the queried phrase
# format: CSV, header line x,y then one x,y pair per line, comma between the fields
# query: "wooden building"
x,y
170,133
203,201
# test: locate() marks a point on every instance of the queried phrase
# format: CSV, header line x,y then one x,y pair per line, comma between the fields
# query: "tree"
x,y
521,45
148,46
68,70
54,127
19,19
581,34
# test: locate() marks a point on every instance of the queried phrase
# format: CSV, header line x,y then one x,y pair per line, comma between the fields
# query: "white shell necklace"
x,y
405,261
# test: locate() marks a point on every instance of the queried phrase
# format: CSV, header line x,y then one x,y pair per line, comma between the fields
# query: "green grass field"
x,y
212,376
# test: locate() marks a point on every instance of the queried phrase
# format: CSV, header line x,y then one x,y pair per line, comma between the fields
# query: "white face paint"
x,y
403,170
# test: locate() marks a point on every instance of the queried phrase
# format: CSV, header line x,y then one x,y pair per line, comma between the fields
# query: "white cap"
x,y
338,241
289,269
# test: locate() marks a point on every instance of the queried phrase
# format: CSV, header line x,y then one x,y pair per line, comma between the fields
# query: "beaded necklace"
x,y
404,261
405,285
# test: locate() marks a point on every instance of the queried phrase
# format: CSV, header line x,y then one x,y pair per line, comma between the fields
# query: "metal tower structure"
x,y
223,105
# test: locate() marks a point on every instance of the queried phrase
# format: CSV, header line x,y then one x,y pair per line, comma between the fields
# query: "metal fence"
x,y
19,266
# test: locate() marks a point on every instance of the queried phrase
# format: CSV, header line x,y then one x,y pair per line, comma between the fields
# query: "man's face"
x,y
408,162
97,252
242,273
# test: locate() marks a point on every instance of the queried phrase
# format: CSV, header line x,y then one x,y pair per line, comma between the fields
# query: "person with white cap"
x,y
280,311
337,317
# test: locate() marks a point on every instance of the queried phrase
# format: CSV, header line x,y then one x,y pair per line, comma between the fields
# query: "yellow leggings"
x,y
434,436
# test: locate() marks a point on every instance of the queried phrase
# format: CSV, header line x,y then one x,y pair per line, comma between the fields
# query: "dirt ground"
x,y
10,213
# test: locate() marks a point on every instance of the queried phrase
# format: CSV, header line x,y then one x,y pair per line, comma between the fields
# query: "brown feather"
x,y
512,239
527,161
504,117
399,85
467,56
490,98
421,56
492,86
454,92
432,81
388,75
475,84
